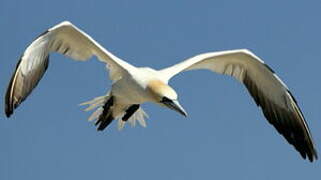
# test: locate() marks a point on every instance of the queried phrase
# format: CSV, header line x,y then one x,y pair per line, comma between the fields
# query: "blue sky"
x,y
225,135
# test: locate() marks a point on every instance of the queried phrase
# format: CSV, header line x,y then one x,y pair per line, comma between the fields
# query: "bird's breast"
x,y
130,91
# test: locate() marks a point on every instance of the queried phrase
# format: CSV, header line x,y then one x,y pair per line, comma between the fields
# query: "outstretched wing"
x,y
64,38
277,103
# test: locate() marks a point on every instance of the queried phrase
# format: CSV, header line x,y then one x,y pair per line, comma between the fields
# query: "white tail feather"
x,y
139,116
121,124
95,114
99,102
94,101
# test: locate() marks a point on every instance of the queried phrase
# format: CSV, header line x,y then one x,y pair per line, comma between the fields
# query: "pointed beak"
x,y
174,105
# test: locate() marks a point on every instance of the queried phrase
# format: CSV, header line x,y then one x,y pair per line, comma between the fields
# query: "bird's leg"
x,y
106,117
130,111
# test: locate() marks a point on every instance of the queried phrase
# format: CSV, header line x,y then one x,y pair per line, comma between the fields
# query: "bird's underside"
x,y
108,109
107,115
147,85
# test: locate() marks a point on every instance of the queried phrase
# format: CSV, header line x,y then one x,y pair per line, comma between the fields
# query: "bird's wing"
x,y
64,38
277,103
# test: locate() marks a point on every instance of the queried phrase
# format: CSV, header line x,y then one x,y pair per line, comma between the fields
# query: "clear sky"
x,y
225,135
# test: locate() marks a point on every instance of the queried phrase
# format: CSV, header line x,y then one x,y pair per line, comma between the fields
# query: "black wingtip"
x,y
9,107
8,113
291,124
313,156
8,104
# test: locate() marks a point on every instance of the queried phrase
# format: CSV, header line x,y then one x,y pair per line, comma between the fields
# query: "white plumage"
x,y
133,86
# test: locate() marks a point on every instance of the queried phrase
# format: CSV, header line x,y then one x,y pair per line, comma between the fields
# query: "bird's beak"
x,y
174,105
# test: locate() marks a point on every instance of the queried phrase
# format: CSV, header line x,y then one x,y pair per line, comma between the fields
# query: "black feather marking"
x,y
292,97
269,68
10,102
105,122
130,111
8,99
106,117
289,123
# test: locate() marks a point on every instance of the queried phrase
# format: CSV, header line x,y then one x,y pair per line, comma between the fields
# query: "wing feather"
x,y
64,38
267,89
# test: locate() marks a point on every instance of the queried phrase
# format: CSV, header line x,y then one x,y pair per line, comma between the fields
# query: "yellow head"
x,y
165,95
159,89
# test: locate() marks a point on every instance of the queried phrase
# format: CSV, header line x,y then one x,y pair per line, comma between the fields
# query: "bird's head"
x,y
164,95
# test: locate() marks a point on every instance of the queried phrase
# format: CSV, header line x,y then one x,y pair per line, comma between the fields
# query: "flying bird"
x,y
132,86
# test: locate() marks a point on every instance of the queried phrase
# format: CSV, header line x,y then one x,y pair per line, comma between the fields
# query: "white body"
x,y
134,86
132,89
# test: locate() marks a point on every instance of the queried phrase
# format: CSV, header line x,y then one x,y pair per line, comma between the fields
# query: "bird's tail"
x,y
119,112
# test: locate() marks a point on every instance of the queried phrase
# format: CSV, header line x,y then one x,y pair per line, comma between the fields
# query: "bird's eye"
x,y
165,99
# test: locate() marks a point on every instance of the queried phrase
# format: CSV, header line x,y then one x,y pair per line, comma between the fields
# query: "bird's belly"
x,y
128,91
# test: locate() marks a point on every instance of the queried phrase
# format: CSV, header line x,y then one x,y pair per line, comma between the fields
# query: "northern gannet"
x,y
133,86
